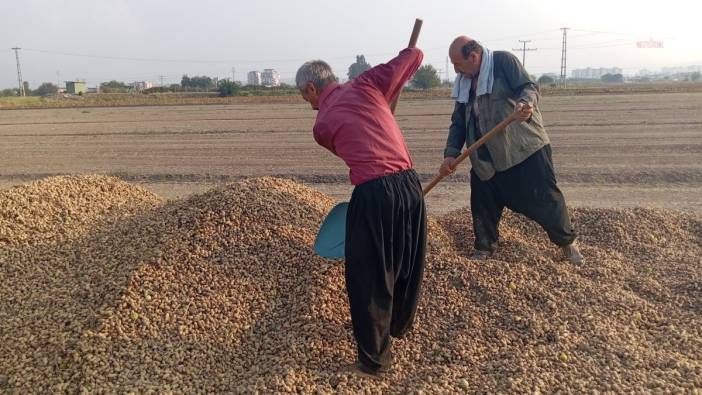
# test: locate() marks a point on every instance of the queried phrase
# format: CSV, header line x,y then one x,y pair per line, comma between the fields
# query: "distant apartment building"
x,y
254,78
594,73
267,77
270,77
140,86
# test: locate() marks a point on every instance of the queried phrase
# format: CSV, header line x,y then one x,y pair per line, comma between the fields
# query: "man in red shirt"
x,y
386,218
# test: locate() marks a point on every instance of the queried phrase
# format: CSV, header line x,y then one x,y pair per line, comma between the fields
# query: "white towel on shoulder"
x,y
461,86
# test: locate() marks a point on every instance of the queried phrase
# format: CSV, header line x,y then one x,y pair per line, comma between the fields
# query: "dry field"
x,y
609,151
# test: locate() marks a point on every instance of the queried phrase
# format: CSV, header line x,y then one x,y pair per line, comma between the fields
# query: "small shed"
x,y
76,87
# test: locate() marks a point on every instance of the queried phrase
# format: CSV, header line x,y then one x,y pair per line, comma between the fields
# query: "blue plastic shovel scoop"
x,y
332,235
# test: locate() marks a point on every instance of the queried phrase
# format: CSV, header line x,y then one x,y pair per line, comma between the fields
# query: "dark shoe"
x,y
480,255
359,370
572,253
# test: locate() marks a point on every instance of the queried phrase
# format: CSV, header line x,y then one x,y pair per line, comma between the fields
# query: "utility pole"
x,y
19,73
563,58
233,74
447,69
58,80
161,78
524,49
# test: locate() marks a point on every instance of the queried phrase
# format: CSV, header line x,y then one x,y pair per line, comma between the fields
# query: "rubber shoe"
x,y
480,255
572,254
360,371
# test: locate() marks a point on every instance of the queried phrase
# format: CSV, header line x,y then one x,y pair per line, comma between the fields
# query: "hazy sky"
x,y
175,37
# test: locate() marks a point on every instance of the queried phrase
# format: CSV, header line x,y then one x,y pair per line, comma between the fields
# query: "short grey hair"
x,y
317,72
471,46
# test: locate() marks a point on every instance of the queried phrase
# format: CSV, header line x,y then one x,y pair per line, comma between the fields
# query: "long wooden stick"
x,y
415,33
473,147
412,43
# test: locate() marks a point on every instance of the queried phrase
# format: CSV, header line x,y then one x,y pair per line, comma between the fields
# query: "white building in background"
x,y
254,78
142,85
594,74
270,77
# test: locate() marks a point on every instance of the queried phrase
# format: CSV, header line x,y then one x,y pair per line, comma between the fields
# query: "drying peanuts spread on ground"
x,y
105,287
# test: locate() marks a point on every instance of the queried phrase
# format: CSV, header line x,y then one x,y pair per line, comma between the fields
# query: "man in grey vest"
x,y
514,169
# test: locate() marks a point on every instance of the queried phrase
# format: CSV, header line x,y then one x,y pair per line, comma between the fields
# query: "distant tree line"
x,y
358,67
427,77
546,80
619,78
612,79
114,87
197,83
47,88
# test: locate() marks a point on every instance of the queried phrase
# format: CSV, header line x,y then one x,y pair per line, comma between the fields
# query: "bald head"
x,y
457,44
463,46
466,55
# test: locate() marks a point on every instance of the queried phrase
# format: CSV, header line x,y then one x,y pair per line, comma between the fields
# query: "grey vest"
x,y
519,140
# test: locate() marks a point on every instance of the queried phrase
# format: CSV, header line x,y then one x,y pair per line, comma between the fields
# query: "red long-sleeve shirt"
x,y
355,122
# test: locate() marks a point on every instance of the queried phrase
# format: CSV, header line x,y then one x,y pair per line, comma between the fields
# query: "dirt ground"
x,y
105,287
609,150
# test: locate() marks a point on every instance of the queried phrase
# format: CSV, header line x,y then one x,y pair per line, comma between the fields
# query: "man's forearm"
x,y
529,94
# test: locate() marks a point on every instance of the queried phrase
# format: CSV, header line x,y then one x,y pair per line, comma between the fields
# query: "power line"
x,y
618,43
447,69
19,72
108,57
622,39
214,61
598,44
520,35
600,32
524,49
157,60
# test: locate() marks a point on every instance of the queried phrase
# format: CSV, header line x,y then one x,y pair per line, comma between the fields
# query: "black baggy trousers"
x,y
386,231
528,188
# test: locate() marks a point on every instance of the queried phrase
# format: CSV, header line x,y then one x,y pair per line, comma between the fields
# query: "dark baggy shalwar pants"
x,y
385,248
528,188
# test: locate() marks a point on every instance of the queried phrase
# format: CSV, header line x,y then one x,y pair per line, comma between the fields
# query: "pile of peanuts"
x,y
105,287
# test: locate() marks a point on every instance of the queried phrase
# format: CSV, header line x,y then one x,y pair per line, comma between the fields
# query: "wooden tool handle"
x,y
415,33
412,44
487,136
